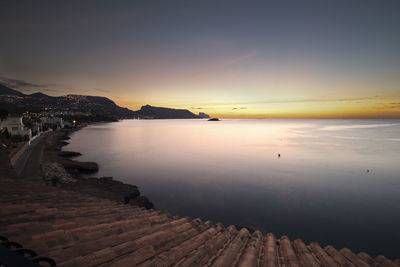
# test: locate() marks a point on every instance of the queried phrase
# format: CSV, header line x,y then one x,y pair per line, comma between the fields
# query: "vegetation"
x,y
3,113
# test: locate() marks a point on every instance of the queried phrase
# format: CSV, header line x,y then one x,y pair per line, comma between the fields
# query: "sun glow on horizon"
x,y
236,60
373,107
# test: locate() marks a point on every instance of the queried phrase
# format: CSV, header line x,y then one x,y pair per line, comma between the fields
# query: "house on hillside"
x,y
15,127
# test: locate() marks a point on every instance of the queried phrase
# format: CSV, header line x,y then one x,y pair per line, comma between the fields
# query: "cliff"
x,y
150,112
17,102
101,107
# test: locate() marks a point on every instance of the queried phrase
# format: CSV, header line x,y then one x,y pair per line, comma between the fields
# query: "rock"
x,y
106,187
69,154
63,143
214,119
203,115
142,201
131,196
84,167
55,174
65,137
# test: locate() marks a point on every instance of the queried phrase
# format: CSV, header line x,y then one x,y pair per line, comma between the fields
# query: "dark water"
x,y
337,181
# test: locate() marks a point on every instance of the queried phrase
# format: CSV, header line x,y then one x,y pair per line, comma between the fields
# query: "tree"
x,y
3,114
4,133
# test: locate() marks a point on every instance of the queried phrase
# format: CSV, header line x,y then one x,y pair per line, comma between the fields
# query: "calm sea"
x,y
336,181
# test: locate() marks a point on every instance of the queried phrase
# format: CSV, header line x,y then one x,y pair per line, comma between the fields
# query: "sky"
x,y
229,59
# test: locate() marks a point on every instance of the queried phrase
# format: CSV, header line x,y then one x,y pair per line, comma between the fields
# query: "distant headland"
x,y
84,107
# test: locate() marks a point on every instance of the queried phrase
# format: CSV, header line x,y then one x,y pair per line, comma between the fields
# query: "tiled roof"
x,y
79,230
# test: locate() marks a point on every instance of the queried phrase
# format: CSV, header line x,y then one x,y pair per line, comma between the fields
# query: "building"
x,y
15,127
53,122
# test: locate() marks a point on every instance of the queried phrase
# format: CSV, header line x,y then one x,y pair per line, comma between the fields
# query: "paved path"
x,y
28,165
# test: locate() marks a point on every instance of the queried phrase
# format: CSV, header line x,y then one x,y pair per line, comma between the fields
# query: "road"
x,y
28,165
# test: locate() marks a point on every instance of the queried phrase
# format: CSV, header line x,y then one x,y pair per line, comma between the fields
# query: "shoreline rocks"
x,y
79,166
142,201
69,154
54,174
107,187
61,171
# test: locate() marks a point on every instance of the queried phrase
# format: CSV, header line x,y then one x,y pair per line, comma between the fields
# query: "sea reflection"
x,y
229,171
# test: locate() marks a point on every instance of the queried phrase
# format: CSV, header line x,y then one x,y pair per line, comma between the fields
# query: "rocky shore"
x,y
59,169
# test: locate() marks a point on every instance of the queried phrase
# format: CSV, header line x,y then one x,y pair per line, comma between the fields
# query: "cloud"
x,y
357,100
222,64
101,90
20,84
49,90
62,23
239,108
196,108
392,105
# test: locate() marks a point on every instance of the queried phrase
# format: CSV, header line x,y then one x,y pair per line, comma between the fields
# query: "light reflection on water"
x,y
229,171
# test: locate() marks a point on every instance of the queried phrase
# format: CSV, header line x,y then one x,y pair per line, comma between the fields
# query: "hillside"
x,y
4,90
17,102
151,112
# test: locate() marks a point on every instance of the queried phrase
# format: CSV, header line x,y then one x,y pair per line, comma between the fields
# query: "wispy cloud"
x,y
354,100
63,23
100,90
239,108
221,64
20,84
383,106
394,105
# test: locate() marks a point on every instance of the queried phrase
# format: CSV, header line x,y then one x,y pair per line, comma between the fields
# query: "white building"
x,y
53,121
15,127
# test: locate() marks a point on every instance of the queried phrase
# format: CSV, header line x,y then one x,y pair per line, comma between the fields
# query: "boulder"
x,y
142,201
131,196
54,174
69,154
63,143
84,167
106,179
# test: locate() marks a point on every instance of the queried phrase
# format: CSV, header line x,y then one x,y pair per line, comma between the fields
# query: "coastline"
x,y
60,169
87,186
103,187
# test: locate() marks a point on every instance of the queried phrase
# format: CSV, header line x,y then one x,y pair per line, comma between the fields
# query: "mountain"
x,y
95,106
4,90
150,112
39,95
17,102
